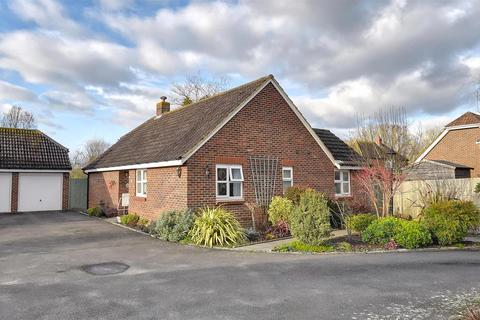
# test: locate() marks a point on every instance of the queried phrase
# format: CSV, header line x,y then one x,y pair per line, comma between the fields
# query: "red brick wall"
x,y
14,199
103,188
266,126
65,190
459,146
165,191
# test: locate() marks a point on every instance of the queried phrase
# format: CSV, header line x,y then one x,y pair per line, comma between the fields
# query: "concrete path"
x,y
69,266
269,246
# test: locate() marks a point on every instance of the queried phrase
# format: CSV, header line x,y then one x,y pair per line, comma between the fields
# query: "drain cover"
x,y
101,269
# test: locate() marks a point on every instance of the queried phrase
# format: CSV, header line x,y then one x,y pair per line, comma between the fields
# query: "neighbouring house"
x,y
34,172
454,154
377,152
236,149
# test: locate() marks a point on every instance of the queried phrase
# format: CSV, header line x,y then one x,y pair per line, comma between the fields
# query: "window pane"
x,y
337,175
139,187
222,174
235,189
222,189
144,188
338,188
287,173
236,173
139,175
346,187
345,176
286,185
144,175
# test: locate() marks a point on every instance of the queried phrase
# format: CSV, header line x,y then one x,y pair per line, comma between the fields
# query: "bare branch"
x,y
195,88
16,117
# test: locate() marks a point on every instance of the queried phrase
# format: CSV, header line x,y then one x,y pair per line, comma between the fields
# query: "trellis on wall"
x,y
264,170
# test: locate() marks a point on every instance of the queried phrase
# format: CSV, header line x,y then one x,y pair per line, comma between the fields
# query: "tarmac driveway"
x,y
69,266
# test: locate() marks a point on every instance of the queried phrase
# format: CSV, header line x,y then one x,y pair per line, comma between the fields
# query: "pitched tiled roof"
x,y
174,134
338,148
31,149
465,119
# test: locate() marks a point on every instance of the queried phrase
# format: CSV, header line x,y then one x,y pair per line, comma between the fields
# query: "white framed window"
x,y
287,178
229,181
141,183
342,182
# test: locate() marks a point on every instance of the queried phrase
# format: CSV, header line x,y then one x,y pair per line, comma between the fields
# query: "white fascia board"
x,y
172,163
443,134
34,170
243,104
305,123
440,137
350,168
224,122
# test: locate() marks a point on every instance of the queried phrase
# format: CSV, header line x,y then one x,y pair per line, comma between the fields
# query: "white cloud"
x,y
9,91
341,57
49,58
46,13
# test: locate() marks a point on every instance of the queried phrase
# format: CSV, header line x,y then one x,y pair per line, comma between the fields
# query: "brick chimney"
x,y
163,106
379,140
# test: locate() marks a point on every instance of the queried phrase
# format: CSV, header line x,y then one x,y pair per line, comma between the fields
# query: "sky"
x,y
95,69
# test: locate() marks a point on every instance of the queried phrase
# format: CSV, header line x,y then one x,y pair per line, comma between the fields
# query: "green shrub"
x,y
412,234
360,222
310,221
344,246
143,224
95,212
449,221
174,225
294,194
298,246
130,219
381,231
280,210
216,227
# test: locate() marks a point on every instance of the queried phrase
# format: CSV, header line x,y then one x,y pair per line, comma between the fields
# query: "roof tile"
x,y
31,149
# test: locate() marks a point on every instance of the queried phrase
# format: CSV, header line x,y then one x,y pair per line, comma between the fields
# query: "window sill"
x,y
230,201
343,196
139,198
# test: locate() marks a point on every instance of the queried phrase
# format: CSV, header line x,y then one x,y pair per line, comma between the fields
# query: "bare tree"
x,y
89,152
195,88
397,132
16,117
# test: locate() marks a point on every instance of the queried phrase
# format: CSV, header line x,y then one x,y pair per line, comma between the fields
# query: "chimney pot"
x,y
163,106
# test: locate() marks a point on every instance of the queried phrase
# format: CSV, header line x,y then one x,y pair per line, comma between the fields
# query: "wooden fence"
x,y
411,196
78,194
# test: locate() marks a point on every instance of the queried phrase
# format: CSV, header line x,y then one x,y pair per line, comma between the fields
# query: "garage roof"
x,y
31,149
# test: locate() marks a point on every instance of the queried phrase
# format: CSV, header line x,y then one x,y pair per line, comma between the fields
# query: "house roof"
x,y
451,164
372,150
31,149
339,149
176,133
465,119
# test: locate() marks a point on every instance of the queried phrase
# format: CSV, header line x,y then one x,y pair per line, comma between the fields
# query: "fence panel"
x,y
412,195
78,194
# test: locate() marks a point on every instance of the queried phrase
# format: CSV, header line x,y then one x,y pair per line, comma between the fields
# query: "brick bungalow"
x,y
454,154
231,149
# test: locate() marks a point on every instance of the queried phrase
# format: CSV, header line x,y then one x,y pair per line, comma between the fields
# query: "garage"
x,y
34,172
40,191
5,191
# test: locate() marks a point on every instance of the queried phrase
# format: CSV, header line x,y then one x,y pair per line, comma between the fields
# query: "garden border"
x,y
242,248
